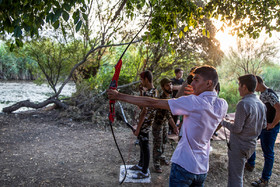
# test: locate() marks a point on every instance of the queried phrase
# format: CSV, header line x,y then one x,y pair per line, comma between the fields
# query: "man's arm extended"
x,y
239,121
138,100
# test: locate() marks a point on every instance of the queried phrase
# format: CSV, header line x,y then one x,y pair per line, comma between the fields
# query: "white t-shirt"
x,y
202,114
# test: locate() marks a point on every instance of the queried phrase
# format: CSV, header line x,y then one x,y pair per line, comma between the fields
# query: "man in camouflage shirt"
x,y
146,118
160,127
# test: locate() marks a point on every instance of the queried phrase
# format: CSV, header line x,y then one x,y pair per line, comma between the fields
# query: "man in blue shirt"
x,y
268,136
248,123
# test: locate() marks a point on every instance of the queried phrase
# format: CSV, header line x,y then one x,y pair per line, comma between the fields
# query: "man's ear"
x,y
209,83
245,87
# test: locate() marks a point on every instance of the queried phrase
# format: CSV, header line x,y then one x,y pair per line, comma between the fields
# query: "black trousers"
x,y
144,151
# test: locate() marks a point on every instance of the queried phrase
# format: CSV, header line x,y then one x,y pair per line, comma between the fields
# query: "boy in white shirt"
x,y
202,111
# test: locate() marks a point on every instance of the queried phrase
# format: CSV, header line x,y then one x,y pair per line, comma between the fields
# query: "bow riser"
x,y
113,86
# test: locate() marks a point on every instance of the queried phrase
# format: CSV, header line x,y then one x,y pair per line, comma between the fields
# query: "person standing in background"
x,y
146,118
268,136
177,82
160,128
249,121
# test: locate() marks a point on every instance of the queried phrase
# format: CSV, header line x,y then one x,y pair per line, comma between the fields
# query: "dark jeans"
x,y
268,138
179,177
144,151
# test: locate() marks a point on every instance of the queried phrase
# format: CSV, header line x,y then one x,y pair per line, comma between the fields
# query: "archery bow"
x,y
124,118
114,85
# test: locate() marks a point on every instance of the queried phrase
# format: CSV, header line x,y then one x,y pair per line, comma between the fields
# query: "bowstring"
x,y
110,123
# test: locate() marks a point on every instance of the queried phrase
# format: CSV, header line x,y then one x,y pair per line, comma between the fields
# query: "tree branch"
x,y
84,60
119,10
29,104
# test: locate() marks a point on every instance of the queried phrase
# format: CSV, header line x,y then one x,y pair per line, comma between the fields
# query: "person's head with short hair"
x,y
190,76
247,84
259,79
189,79
146,77
260,84
179,73
177,70
166,85
218,88
205,79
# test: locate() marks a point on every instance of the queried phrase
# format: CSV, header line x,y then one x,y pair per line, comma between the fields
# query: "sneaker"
x,y
260,183
140,175
249,167
158,169
135,168
164,162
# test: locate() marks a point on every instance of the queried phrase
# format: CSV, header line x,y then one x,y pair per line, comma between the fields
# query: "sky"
x,y
227,40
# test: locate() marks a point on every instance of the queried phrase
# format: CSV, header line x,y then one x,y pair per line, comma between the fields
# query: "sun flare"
x,y
226,40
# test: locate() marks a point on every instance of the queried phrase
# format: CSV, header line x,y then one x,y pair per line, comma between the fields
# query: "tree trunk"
x,y
29,104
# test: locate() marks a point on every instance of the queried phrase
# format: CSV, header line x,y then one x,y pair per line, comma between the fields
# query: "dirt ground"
x,y
42,148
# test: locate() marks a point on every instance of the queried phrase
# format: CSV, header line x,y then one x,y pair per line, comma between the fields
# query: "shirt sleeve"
x,y
239,121
272,99
183,105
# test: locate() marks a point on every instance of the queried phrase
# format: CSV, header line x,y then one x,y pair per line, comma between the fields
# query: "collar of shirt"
x,y
208,93
249,95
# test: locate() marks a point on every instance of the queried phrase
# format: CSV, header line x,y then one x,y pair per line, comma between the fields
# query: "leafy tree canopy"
x,y
29,16
169,18
247,17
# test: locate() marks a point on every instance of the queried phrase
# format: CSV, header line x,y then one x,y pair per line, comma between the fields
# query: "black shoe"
x,y
135,168
260,183
164,162
249,167
140,175
158,169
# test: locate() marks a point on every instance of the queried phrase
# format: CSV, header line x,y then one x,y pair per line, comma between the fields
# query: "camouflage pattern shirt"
x,y
149,117
162,116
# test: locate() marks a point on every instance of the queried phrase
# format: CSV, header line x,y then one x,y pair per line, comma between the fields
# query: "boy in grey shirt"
x,y
250,119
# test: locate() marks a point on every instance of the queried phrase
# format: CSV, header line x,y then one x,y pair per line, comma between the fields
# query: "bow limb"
x,y
114,82
114,85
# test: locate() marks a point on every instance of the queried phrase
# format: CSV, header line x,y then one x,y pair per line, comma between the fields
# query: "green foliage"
x,y
229,91
248,17
175,17
249,58
129,72
271,76
23,16
13,66
169,18
54,60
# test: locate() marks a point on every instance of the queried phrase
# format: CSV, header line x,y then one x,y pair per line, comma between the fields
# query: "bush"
x,y
229,92
271,76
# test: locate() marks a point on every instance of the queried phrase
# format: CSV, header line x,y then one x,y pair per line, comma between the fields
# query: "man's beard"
x,y
168,91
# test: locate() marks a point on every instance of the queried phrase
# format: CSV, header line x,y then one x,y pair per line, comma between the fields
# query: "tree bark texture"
x,y
29,104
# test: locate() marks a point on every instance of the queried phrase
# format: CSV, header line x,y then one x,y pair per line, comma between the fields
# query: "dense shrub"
x,y
229,91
